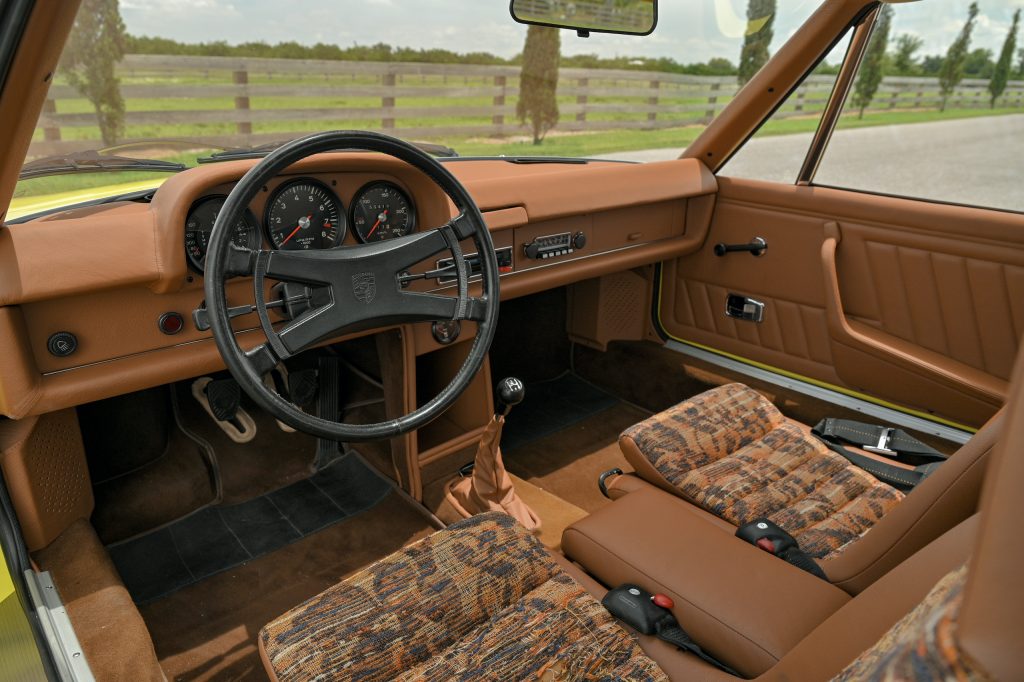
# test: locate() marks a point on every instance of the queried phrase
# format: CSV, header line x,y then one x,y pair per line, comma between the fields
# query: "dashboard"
x,y
111,275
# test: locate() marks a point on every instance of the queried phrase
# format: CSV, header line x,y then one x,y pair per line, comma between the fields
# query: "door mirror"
x,y
634,17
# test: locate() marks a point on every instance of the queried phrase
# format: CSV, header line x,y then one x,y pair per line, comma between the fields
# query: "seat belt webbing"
x,y
895,443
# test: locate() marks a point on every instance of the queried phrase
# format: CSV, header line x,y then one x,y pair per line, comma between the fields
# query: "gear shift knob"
x,y
509,393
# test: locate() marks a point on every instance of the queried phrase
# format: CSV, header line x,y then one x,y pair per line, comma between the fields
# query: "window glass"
x,y
777,150
175,80
945,81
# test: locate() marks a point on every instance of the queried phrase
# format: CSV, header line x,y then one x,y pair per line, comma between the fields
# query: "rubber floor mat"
x,y
216,539
550,406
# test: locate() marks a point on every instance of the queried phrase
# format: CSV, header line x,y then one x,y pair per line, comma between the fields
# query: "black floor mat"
x,y
550,406
216,539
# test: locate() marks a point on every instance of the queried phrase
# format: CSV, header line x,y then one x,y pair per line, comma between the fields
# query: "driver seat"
x,y
483,599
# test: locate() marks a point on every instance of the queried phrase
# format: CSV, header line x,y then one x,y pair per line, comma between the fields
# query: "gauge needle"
x,y
297,228
383,216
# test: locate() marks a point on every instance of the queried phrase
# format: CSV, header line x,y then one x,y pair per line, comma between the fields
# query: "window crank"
x,y
757,247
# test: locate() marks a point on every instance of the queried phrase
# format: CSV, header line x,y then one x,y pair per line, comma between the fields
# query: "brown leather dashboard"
x,y
107,273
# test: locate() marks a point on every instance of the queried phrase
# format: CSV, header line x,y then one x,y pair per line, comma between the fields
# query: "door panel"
x,y
910,302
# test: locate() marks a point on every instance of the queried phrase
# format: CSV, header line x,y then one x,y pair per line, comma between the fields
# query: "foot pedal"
x,y
221,400
277,381
303,386
328,406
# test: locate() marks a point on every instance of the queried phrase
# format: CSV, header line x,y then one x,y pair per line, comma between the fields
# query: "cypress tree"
x,y
952,71
997,85
538,81
870,75
760,20
96,44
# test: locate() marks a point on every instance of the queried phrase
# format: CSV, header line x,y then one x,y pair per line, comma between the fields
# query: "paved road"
x,y
972,161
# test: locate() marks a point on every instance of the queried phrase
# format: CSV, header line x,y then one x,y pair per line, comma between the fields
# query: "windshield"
x,y
177,80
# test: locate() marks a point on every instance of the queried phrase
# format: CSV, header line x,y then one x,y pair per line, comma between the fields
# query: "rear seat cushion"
x,y
731,452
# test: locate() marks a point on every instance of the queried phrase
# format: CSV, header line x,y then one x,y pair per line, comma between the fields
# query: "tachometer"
x,y
199,226
305,214
381,210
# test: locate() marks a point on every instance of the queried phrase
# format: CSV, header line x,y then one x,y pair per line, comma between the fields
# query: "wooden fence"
x,y
248,101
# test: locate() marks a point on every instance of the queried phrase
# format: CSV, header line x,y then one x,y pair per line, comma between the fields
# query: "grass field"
x,y
574,144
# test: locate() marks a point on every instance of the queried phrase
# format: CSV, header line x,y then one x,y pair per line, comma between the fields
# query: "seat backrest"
x,y
977,610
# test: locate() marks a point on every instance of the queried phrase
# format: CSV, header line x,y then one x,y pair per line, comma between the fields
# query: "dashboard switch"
x,y
62,344
579,240
171,323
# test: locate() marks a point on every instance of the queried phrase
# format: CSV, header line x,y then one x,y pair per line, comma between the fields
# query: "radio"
x,y
553,245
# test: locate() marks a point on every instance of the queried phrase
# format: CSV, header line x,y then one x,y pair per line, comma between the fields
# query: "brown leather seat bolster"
x,y
745,607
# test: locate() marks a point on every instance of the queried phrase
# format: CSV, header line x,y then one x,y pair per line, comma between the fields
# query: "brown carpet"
x,y
568,463
208,631
273,459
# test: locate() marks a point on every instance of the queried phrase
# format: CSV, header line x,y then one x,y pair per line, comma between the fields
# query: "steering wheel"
x,y
349,288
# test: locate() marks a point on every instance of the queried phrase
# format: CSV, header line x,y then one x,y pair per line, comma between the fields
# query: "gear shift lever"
x,y
490,488
508,393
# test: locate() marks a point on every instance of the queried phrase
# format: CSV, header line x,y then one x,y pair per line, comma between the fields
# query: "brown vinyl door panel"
x,y
911,302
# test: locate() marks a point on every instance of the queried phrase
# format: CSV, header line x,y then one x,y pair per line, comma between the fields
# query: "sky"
x,y
688,30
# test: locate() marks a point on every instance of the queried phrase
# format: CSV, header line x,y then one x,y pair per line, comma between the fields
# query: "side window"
x,y
777,150
936,111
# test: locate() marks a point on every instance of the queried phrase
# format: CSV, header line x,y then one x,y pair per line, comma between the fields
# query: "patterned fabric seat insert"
x,y
731,452
481,600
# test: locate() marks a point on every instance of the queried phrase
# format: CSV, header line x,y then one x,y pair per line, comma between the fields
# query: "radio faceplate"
x,y
553,245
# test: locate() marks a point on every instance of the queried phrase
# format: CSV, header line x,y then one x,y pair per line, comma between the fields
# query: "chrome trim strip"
x,y
884,414
57,629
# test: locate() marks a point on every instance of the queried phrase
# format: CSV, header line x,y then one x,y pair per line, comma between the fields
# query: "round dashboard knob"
x,y
62,344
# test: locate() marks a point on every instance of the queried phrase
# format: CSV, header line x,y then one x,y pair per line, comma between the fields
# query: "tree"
x,y
538,81
1001,74
979,63
952,71
903,62
1020,63
760,20
96,44
869,76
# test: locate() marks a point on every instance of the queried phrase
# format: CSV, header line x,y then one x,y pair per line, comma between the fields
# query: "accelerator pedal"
x,y
328,406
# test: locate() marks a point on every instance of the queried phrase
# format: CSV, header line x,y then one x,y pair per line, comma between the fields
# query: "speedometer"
x,y
305,214
381,210
199,226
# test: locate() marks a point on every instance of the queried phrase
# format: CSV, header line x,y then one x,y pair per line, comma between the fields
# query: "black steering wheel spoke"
x,y
262,359
331,292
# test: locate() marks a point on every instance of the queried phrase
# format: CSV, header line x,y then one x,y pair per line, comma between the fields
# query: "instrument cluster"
x,y
304,214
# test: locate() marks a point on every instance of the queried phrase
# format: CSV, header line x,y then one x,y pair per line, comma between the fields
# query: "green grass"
x,y
574,144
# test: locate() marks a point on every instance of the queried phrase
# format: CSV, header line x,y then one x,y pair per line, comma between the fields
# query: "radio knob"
x,y
579,240
532,250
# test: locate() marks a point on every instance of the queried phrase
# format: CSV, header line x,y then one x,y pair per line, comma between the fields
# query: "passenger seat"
x,y
730,452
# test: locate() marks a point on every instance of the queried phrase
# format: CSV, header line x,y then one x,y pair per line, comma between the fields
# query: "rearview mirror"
x,y
633,17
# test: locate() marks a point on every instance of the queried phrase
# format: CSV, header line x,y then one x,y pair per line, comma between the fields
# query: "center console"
x,y
743,606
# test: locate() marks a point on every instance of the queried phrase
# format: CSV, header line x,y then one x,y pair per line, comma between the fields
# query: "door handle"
x,y
744,308
756,247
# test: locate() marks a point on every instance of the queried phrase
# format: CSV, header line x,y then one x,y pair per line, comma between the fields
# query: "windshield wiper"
x,y
92,160
259,151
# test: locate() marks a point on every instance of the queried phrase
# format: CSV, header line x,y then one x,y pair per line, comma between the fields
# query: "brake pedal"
x,y
222,401
277,381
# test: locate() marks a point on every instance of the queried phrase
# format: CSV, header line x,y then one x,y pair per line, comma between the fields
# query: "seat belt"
x,y
651,614
882,440
770,537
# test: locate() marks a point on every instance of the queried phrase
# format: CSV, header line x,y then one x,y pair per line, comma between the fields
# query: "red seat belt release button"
x,y
663,600
766,544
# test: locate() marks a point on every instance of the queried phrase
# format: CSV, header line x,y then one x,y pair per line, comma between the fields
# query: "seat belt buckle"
x,y
766,535
882,447
638,608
